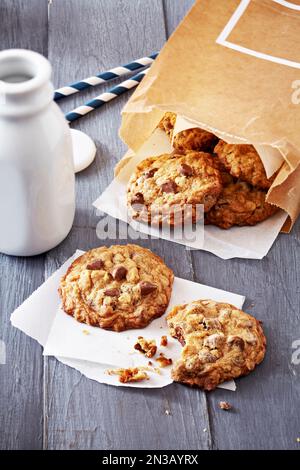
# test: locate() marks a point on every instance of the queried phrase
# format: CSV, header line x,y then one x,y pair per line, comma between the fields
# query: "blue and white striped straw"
x,y
105,97
103,77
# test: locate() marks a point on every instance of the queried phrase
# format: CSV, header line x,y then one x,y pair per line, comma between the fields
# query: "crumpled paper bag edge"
x,y
144,112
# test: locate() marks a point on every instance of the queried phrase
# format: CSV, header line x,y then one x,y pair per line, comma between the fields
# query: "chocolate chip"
x,y
147,287
119,273
179,335
185,170
99,264
150,173
169,187
206,357
113,292
138,198
236,341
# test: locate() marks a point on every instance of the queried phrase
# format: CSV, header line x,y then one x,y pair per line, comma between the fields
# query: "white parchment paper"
x,y
92,350
237,242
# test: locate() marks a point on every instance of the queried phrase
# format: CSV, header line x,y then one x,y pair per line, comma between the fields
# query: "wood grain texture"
x,y
21,393
118,32
264,414
23,25
174,12
103,35
49,405
265,404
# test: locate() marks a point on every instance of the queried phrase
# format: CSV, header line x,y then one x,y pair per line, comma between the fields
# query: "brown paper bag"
x,y
233,67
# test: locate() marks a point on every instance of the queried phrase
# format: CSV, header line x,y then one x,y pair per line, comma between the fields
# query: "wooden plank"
x,y
79,413
110,418
89,37
175,12
264,414
21,375
82,414
24,25
265,403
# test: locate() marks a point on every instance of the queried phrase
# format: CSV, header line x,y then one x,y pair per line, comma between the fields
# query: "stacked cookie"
x,y
228,180
168,188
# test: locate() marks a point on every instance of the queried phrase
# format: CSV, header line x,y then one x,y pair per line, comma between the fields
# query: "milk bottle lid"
x,y
84,150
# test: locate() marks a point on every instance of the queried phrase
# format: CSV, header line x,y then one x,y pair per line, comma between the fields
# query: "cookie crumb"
x,y
224,405
150,363
146,347
164,341
133,374
163,360
86,332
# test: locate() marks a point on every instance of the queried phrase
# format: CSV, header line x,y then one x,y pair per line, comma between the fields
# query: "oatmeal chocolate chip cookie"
x,y
165,188
220,342
167,124
243,162
225,176
117,288
190,139
195,139
240,204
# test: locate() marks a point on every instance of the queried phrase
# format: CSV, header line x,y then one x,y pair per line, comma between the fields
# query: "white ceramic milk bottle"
x,y
37,199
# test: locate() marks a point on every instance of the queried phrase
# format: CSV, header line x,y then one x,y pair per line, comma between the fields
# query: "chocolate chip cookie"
x,y
220,342
117,288
168,188
225,176
195,139
189,139
240,204
167,124
243,162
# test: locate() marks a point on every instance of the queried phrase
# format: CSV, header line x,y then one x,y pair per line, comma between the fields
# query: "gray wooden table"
x,y
44,404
